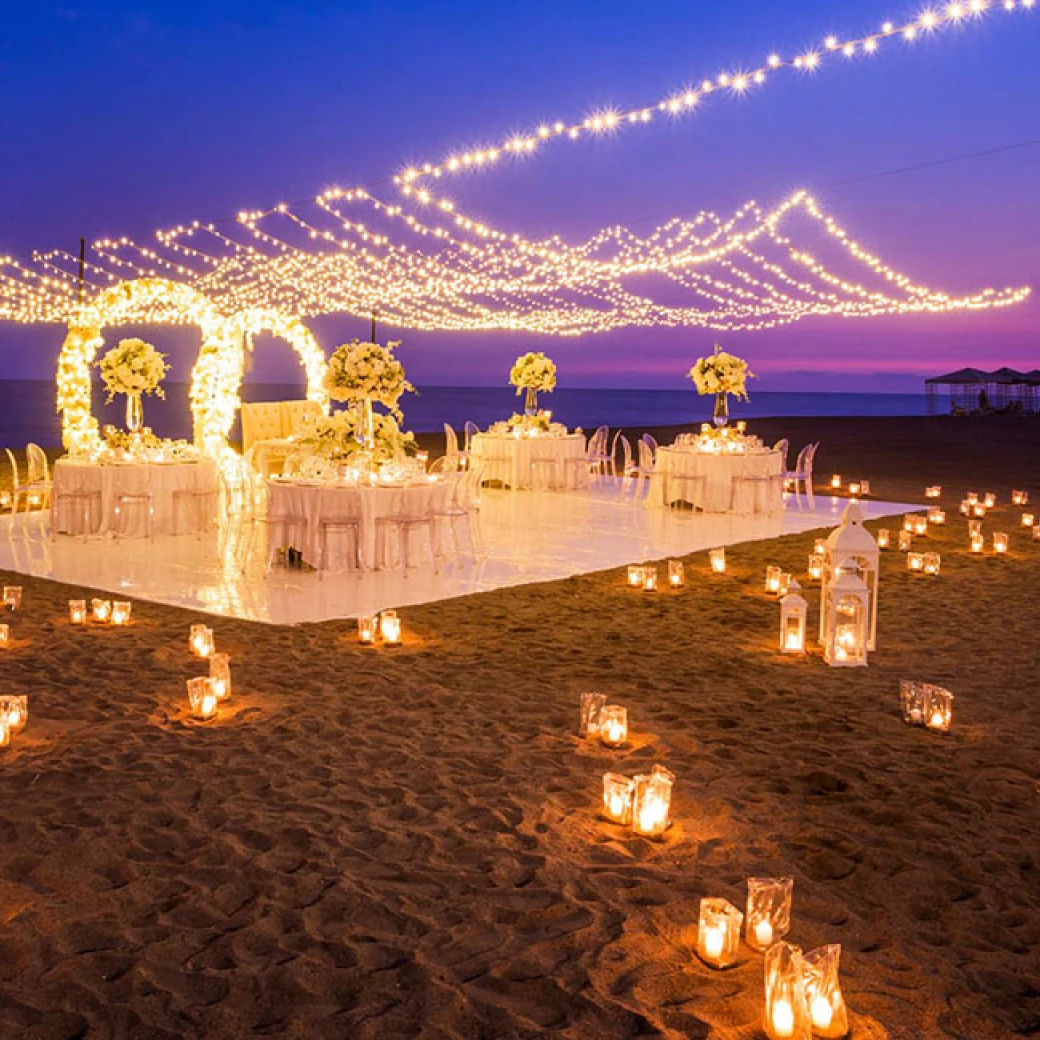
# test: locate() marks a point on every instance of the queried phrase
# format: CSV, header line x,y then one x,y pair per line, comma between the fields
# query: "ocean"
x,y
27,408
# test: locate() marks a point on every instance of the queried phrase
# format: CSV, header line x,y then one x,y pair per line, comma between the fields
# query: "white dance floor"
x,y
528,537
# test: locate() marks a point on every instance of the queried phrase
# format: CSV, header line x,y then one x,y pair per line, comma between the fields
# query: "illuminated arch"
x,y
217,376
149,301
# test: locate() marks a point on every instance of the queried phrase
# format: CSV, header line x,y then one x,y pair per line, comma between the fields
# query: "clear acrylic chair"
x,y
451,441
201,503
545,473
35,494
644,470
344,522
471,429
132,492
597,456
445,464
753,492
783,446
800,478
404,526
461,513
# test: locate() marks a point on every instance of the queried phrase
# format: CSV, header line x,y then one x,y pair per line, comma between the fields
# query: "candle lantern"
x,y
14,712
773,579
1019,498
649,579
913,699
864,487
920,525
390,628
855,488
768,917
974,528
935,491
909,522
793,617
676,574
906,539
718,933
635,576
5,734
938,712
201,640
932,563
121,612
784,584
651,802
836,482
823,991
368,628
989,500
422,458
815,567
936,516
613,725
718,560
978,543
1000,543
965,507
101,609
787,1014
77,611
846,609
819,546
979,509
851,550
592,705
13,596
220,675
883,538
915,562
5,636
618,796
202,698
1028,520
971,497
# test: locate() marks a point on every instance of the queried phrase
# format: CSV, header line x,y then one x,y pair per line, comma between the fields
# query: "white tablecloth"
x,y
510,459
720,489
74,476
311,504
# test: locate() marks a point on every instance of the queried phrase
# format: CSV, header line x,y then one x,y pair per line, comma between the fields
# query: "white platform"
x,y
528,537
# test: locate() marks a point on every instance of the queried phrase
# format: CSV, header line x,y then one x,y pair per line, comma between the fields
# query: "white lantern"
x,y
851,549
793,614
846,632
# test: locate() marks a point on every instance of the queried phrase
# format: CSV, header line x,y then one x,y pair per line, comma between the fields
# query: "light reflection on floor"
x,y
528,537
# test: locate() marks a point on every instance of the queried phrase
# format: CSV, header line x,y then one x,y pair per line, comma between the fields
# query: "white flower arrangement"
x,y
334,437
533,371
721,373
133,367
358,370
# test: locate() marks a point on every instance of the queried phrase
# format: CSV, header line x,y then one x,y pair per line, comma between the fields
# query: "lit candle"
x,y
101,609
883,538
783,1018
367,628
815,567
649,579
635,576
1000,543
819,547
201,640
613,725
855,488
202,698
989,500
77,611
1028,519
121,612
676,574
651,802
936,516
906,539
220,675
5,635
5,734
822,1012
932,562
836,481
935,491
978,543
773,579
915,562
618,792
718,560
1019,498
763,933
390,628
13,596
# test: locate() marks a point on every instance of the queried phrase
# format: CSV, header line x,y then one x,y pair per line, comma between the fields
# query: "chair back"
x,y
451,441
804,459
445,464
646,455
295,415
261,421
810,457
467,488
39,471
471,429
650,443
783,446
598,441
14,469
626,448
133,481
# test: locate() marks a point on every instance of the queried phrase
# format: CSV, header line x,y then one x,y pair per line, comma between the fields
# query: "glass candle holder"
x,y
815,567
717,558
936,516
971,497
1019,498
613,725
635,576
200,639
5,636
12,596
368,629
220,675
652,802
784,584
974,528
883,538
932,563
920,525
592,705
718,933
913,699
855,488
909,522
989,500
1028,520
649,579
979,510
773,579
422,458
5,734
915,562
836,482
121,612
787,1015
934,491
768,917
390,628
1000,543
14,712
676,574
819,547
101,609
618,795
977,543
906,539
965,507
938,712
77,611
830,1018
202,698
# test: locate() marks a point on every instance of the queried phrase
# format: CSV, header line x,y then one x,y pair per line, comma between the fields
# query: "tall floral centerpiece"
x,y
533,372
721,374
133,367
334,437
362,374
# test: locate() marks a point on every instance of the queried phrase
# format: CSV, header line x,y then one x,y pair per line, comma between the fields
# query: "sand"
x,y
399,843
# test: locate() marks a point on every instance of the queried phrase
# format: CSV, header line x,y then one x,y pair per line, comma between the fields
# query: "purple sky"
x,y
121,116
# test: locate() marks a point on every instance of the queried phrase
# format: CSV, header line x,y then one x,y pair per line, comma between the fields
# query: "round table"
x,y
184,496
296,509
745,482
512,460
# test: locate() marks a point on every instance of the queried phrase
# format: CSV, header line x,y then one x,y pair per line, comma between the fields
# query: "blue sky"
x,y
125,116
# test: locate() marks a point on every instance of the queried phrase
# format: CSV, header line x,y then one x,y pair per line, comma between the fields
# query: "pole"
x,y
373,326
82,265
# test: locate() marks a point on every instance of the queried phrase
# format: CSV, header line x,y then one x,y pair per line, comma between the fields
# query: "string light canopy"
x,y
423,263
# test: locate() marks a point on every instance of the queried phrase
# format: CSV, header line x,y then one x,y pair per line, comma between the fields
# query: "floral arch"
x,y
152,301
217,376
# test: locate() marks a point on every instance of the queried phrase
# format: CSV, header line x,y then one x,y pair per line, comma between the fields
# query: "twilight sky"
x,y
120,116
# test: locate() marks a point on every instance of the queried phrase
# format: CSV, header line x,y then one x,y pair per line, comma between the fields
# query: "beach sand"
x,y
407,842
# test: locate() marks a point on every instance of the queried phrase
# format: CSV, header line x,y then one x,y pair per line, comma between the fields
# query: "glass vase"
x,y
721,416
134,413
364,424
531,401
